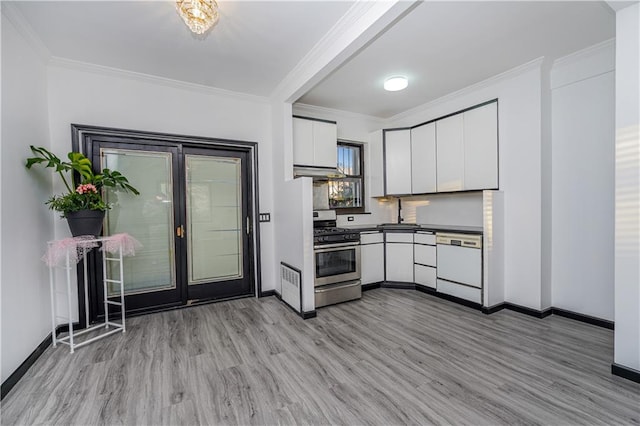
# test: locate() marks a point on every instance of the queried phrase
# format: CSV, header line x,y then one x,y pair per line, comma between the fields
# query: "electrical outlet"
x,y
264,217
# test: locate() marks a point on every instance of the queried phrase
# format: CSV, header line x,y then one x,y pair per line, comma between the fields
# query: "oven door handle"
x,y
330,287
334,246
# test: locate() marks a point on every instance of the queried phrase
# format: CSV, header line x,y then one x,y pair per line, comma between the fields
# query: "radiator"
x,y
290,281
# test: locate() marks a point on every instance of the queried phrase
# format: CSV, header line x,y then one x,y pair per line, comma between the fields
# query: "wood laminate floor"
x,y
395,357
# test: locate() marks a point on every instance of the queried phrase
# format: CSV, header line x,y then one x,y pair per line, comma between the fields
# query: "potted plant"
x,y
82,205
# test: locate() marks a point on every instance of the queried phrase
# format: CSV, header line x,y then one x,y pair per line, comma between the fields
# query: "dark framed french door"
x,y
193,218
217,223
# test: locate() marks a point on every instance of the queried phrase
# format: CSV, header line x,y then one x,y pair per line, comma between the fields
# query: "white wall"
x,y
583,97
545,189
519,129
26,222
464,209
96,96
295,233
627,201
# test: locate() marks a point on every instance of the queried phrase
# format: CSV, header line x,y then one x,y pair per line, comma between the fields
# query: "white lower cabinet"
x,y
372,257
399,257
417,258
425,275
424,257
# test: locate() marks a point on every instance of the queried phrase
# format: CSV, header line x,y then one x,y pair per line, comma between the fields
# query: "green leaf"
x,y
32,161
81,164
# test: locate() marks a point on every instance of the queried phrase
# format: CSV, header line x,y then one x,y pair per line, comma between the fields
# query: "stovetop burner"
x,y
329,230
333,235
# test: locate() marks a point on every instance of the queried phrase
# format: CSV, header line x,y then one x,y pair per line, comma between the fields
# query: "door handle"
x,y
180,231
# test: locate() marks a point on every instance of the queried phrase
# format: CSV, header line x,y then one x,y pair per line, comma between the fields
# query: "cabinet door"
x,y
450,153
425,255
372,256
325,144
425,275
399,261
302,142
374,168
397,153
481,147
423,159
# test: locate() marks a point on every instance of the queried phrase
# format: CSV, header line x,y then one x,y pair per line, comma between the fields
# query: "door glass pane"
x,y
147,217
214,218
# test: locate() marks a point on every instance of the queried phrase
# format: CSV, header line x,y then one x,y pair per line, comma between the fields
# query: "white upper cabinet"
x,y
375,168
302,141
456,153
423,159
481,147
325,144
450,153
397,153
314,143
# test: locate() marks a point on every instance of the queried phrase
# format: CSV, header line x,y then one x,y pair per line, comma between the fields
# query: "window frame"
x,y
361,176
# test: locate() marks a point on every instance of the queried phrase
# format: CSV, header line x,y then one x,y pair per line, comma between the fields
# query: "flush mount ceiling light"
x,y
395,83
199,15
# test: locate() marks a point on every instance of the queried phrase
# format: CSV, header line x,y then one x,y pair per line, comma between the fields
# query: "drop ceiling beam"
x,y
361,24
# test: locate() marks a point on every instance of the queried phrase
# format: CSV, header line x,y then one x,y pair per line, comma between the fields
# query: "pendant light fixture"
x,y
199,15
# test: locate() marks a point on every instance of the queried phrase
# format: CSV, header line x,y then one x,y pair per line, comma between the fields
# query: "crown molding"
x,y
57,62
336,112
361,23
617,5
11,12
491,81
586,52
584,64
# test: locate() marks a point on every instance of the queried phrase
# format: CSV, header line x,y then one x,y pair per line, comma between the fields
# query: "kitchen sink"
x,y
399,226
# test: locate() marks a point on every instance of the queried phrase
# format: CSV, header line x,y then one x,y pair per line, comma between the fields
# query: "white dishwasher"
x,y
459,265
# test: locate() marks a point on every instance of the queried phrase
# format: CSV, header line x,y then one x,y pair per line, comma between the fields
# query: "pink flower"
x,y
86,187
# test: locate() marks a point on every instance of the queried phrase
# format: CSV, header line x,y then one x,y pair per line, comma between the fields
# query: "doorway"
x,y
194,218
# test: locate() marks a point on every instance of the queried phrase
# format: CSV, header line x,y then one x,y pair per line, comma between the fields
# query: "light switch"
x,y
264,217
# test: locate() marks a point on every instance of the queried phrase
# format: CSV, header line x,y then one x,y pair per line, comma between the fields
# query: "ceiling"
x,y
251,49
441,46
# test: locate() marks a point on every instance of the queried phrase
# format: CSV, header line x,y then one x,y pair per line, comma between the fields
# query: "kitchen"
x,y
459,242
531,214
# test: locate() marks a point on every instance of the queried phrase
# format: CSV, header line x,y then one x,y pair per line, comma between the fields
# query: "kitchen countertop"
x,y
413,228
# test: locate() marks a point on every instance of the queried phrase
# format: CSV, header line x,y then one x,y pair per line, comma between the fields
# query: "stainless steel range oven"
x,y
337,263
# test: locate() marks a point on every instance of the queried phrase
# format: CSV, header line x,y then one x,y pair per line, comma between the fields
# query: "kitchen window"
x,y
346,194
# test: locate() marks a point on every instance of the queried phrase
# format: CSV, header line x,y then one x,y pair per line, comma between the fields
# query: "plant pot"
x,y
85,222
